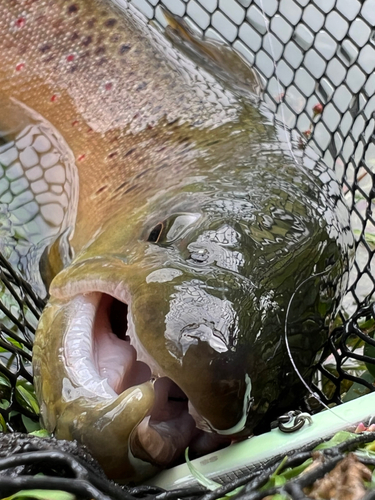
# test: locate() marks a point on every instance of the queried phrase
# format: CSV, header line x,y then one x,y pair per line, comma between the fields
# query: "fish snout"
x,y
193,332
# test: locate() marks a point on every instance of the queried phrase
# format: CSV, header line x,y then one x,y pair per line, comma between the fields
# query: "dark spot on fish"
x,y
87,40
131,151
110,22
184,140
72,69
99,51
121,186
72,9
100,190
113,154
142,86
45,48
91,22
141,174
163,165
102,61
75,36
124,48
115,38
130,189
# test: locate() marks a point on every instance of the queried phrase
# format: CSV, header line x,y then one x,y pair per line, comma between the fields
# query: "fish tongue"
x,y
161,443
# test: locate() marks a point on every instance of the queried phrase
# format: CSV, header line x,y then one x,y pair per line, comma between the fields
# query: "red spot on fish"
x,y
108,86
75,123
70,57
81,157
20,66
20,23
307,133
89,130
54,97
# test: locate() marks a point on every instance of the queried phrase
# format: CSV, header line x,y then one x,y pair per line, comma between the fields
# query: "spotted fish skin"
x,y
202,245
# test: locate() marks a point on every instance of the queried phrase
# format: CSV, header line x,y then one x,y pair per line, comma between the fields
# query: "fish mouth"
x,y
104,357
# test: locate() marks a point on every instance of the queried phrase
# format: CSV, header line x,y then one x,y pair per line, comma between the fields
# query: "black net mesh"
x,y
316,60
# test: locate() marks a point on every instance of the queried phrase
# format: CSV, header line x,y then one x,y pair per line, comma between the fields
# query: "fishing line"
x,y
313,394
287,133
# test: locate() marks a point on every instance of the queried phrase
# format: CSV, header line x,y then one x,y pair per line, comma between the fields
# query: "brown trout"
x,y
198,266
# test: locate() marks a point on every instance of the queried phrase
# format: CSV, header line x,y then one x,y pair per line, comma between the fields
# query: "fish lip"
x,y
118,290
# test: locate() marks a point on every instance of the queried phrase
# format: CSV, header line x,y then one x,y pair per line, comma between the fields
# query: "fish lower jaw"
x,y
104,359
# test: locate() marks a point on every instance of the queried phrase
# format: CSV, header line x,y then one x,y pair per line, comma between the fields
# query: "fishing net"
x,y
316,60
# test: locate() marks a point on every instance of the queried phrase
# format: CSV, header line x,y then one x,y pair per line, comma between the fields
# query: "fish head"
x,y
184,313
227,285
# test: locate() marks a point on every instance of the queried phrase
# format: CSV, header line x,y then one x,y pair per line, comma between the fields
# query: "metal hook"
x,y
297,417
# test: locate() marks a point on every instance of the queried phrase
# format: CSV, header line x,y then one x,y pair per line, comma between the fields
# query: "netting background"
x,y
316,59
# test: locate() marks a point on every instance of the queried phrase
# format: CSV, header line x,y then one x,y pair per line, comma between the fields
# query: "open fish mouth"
x,y
103,358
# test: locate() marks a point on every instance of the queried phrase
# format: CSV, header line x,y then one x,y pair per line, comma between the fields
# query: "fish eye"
x,y
155,233
173,228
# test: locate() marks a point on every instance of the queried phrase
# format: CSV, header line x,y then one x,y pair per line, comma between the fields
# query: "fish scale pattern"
x,y
316,61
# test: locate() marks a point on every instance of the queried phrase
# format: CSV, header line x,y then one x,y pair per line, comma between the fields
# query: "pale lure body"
x,y
193,248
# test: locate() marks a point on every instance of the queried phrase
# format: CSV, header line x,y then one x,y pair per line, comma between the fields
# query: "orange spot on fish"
x,y
70,57
20,66
20,22
75,123
81,157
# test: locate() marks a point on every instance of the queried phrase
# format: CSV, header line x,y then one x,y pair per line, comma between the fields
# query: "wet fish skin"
x,y
189,211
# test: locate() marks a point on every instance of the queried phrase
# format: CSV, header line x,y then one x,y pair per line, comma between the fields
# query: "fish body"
x,y
201,250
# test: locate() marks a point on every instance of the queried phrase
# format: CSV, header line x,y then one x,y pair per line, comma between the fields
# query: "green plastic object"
x,y
242,457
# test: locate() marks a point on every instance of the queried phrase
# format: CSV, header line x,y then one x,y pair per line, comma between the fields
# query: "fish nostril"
x,y
118,317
